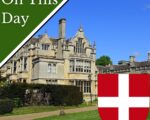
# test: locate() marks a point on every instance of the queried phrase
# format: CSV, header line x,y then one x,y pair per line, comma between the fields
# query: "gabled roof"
x,y
124,67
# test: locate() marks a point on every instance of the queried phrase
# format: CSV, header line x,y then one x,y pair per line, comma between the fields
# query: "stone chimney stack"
x,y
149,56
62,33
62,28
132,59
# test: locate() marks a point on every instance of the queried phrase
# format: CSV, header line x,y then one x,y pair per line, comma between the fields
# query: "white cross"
x,y
123,102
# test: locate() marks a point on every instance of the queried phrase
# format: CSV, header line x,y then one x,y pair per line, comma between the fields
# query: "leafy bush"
x,y
95,100
12,91
6,106
17,102
73,96
61,94
45,94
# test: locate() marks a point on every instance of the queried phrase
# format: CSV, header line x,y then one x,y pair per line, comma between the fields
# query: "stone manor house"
x,y
131,66
61,61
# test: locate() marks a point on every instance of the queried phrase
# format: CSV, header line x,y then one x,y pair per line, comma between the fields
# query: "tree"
x,y
104,60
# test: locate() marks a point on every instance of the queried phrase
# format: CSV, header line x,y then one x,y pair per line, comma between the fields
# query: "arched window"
x,y
79,46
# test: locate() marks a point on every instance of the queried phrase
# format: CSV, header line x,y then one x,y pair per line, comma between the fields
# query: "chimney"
x,y
132,59
149,56
62,28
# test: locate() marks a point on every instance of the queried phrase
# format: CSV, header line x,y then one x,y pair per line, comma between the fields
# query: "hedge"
x,y
60,94
6,106
17,102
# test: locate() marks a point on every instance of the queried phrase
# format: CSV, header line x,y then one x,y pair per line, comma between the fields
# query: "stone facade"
x,y
61,61
131,66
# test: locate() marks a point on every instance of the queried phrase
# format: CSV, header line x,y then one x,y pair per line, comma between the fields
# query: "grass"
x,y
148,116
91,115
39,109
32,109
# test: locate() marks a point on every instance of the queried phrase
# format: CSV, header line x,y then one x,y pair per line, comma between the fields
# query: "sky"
x,y
120,28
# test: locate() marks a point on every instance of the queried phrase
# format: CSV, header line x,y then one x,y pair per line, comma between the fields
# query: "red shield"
x,y
123,96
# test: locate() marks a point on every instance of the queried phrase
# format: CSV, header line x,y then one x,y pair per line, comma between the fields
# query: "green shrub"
x,y
95,100
15,90
66,95
59,94
17,102
73,97
6,106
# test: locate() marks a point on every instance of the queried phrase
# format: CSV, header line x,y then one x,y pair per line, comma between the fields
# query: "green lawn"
x,y
38,109
148,116
91,115
32,109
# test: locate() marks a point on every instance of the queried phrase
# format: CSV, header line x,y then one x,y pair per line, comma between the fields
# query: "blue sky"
x,y
120,27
